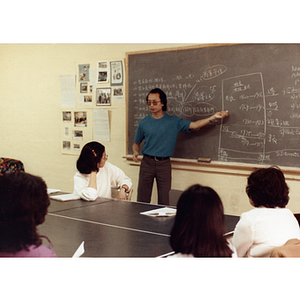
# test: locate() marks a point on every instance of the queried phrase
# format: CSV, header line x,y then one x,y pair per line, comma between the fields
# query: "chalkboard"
x,y
259,85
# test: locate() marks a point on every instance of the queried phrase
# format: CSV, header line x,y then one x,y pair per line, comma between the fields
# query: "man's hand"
x,y
219,115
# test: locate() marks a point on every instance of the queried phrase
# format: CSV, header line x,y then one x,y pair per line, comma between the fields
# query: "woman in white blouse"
x,y
95,176
269,224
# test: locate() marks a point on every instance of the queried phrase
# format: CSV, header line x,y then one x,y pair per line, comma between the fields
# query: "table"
x,y
109,228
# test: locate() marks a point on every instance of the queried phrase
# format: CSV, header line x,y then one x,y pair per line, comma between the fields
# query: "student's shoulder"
x,y
250,214
109,166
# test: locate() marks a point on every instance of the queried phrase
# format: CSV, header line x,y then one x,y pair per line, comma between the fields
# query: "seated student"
x,y
269,224
23,205
95,176
199,226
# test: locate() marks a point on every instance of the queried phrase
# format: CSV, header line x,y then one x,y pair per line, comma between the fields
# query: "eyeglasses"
x,y
105,157
153,102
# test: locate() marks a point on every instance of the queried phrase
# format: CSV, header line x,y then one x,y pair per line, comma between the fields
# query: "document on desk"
x,y
79,251
52,191
160,212
65,197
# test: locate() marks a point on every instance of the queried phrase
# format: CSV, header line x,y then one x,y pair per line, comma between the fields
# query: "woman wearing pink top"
x,y
23,205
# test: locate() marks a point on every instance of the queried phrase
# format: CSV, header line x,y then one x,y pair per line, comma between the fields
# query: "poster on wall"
x,y
67,116
101,125
76,147
102,72
83,87
116,73
68,90
77,135
118,94
86,99
103,96
66,145
84,72
67,132
80,119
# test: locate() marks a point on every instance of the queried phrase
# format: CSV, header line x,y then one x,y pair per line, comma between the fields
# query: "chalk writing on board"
x,y
184,99
254,127
214,71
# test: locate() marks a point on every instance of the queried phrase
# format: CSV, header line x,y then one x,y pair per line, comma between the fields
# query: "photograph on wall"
x,y
76,147
67,116
118,94
80,119
66,131
85,99
77,135
83,87
66,145
103,96
102,72
116,73
84,72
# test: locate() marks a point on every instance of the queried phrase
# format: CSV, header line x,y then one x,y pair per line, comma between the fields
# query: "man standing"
x,y
160,130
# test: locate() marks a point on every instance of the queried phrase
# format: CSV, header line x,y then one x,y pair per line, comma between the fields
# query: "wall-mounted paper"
x,y
101,125
68,90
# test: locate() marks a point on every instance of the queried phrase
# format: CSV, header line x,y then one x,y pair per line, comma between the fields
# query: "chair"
x,y
10,165
115,193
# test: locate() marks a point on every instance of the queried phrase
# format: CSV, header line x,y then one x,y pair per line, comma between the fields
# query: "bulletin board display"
x,y
87,99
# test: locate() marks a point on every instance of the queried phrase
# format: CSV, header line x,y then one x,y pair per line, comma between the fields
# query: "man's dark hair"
x,y
162,96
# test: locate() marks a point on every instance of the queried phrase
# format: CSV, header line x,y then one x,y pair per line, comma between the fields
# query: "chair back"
x,y
10,165
174,196
115,193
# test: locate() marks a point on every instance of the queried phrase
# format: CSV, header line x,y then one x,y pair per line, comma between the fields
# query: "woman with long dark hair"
x,y
199,226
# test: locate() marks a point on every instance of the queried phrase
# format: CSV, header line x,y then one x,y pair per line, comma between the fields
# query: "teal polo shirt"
x,y
160,134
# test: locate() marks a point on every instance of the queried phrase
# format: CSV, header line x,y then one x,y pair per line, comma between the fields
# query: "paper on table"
x,y
65,197
160,212
79,251
51,191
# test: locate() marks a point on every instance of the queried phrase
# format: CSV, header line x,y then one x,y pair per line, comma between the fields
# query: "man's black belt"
x,y
156,158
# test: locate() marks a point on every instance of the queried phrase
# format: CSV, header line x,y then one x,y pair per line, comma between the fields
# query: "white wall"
x,y
30,121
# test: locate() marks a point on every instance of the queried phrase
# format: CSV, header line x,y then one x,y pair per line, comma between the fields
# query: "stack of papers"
x,y
160,212
65,197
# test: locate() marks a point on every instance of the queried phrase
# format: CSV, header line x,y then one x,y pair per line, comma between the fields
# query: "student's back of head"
x,y
267,187
23,205
199,224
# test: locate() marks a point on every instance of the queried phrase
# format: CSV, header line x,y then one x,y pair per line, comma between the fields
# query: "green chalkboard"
x,y
259,85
